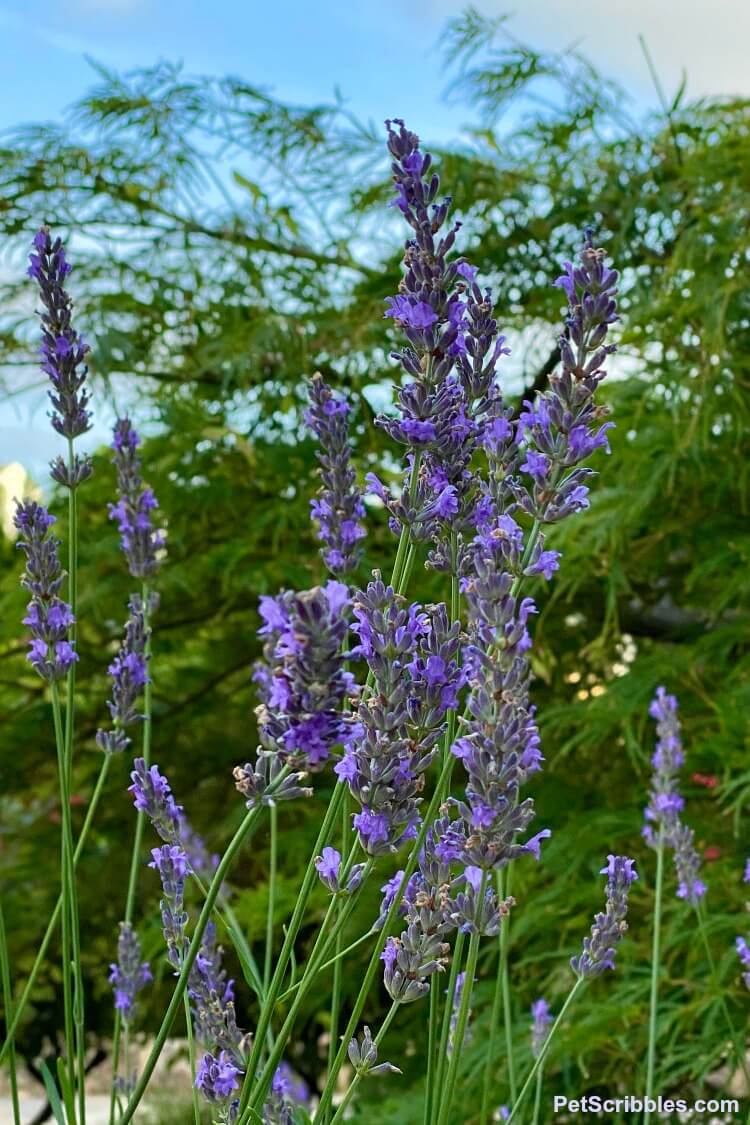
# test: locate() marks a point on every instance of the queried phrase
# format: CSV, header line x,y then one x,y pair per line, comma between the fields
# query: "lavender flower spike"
x,y
141,544
339,507
152,794
48,616
172,864
130,975
542,1018
129,672
364,1057
666,804
63,353
599,949
218,1077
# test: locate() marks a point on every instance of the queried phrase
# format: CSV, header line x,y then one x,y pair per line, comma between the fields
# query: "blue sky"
x,y
381,54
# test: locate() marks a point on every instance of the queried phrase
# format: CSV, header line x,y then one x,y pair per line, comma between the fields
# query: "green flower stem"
x,y
737,1044
447,1090
333,1028
442,1055
339,1115
12,1026
274,818
538,1096
67,887
323,943
655,957
191,1055
374,963
327,964
500,1000
432,1027
238,840
8,1009
539,1061
287,948
135,855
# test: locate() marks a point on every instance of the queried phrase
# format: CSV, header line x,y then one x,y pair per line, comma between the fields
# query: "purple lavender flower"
x,y
364,1057
287,1093
218,1077
666,804
541,1019
413,655
303,681
130,975
564,426
328,866
49,618
212,999
339,507
141,544
172,864
599,949
63,353
129,672
743,952
152,794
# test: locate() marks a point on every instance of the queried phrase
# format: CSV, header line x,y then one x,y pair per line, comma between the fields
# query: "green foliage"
x,y
228,246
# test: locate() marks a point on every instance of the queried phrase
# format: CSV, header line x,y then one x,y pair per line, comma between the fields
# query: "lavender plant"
x,y
387,693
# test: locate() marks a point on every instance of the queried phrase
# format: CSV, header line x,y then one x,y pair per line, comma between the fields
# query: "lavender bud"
x,y
62,350
259,785
130,975
541,1020
49,618
608,929
364,1057
339,507
142,546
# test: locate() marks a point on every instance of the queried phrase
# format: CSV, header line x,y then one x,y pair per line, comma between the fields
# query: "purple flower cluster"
x,y
212,997
142,545
450,358
130,975
339,507
217,1079
500,748
541,1018
287,1094
172,864
608,929
63,353
413,656
741,944
129,673
564,426
328,866
48,617
152,795
303,682
662,814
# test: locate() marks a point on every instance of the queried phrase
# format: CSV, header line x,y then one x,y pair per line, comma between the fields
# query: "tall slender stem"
x,y
539,1061
372,968
346,837
66,836
274,819
8,1009
500,1001
737,1044
445,1030
538,1096
655,958
55,917
135,855
236,843
447,1091
191,1056
432,1027
339,1115
288,946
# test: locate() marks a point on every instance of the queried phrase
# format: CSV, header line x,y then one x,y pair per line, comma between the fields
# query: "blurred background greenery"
x,y
208,300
